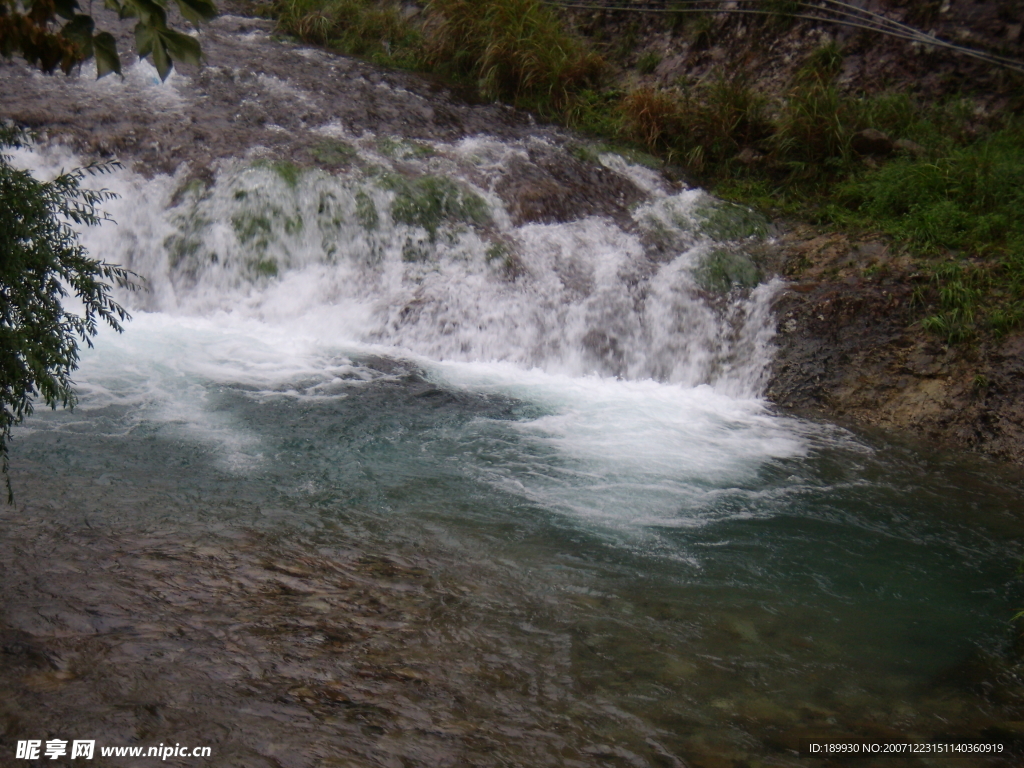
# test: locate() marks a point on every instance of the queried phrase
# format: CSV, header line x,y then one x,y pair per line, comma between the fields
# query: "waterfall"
x,y
410,247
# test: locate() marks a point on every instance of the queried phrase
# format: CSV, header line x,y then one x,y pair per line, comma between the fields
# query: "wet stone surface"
x,y
273,651
283,633
253,91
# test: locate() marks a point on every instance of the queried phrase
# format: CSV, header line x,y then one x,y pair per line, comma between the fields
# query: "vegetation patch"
x,y
376,31
940,180
186,244
648,62
366,211
286,170
264,267
430,201
723,269
250,227
403,149
513,50
181,250
729,221
333,152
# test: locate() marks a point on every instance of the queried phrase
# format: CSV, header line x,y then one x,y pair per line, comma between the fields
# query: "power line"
x,y
830,11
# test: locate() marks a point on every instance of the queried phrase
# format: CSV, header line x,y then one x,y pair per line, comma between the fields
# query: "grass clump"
x,y
366,28
512,50
333,152
700,127
648,62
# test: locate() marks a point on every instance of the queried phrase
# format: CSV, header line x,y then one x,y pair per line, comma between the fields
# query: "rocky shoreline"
x,y
851,348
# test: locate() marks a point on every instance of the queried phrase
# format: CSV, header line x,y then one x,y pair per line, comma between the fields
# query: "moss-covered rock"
x,y
431,201
722,269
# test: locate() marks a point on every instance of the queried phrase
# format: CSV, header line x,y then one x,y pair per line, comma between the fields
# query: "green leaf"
x,y
105,49
181,46
143,40
161,60
197,10
65,8
79,31
149,13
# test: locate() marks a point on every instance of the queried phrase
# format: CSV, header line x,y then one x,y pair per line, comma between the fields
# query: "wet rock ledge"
x,y
851,348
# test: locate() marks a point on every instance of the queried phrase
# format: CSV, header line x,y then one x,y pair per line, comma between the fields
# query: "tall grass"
x,y
513,50
374,30
699,127
510,50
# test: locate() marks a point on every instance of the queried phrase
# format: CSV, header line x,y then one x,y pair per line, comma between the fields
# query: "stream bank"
x,y
851,348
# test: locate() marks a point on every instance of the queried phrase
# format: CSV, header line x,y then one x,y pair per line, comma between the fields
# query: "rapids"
x,y
438,438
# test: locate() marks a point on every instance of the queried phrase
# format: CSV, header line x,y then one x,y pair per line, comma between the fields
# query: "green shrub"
x,y
42,264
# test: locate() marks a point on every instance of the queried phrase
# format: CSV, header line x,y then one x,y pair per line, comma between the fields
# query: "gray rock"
x,y
749,156
908,147
871,143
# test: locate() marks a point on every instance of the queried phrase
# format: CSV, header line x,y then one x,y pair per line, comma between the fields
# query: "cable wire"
x,y
830,11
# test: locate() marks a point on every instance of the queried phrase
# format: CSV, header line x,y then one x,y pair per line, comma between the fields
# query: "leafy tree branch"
x,y
41,263
54,33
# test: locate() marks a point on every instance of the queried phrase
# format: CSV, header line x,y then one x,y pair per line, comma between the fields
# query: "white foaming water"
x,y
433,266
273,280
632,452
